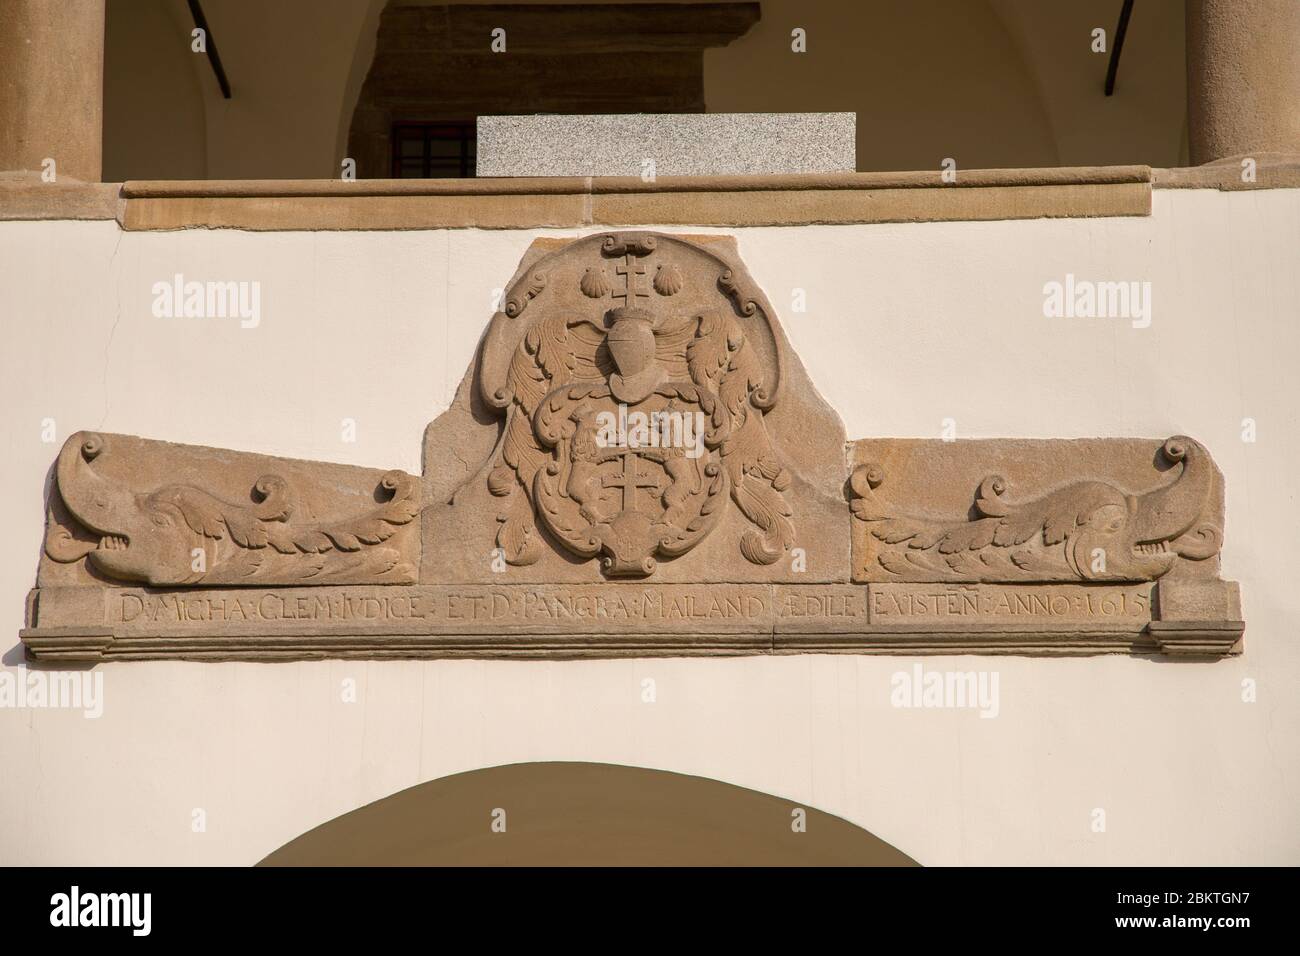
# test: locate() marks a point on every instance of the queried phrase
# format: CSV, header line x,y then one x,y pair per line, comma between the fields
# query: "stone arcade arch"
x,y
583,814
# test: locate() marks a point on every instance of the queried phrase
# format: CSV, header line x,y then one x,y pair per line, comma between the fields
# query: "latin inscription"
x,y
262,606
1044,602
627,608
449,608
608,604
821,608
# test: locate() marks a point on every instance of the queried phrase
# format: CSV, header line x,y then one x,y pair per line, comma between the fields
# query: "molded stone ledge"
x,y
595,185
789,199
526,203
565,202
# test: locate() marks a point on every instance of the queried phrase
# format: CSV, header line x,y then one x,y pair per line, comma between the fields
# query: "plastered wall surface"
x,y
905,326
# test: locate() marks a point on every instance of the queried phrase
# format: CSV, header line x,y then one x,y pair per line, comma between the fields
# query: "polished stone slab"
x,y
667,144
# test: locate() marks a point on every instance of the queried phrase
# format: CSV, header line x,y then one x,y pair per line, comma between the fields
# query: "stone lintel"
x,y
616,620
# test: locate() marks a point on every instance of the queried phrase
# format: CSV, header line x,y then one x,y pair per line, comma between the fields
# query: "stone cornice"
x,y
785,200
838,198
599,185
715,201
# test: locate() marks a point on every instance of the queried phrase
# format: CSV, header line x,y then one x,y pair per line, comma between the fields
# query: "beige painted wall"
x,y
986,82
154,110
906,325
990,83
927,81
295,69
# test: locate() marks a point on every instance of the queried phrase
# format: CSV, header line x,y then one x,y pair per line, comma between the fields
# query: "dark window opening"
x,y
433,150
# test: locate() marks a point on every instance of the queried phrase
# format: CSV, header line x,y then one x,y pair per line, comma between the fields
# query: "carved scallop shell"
x,y
594,283
668,280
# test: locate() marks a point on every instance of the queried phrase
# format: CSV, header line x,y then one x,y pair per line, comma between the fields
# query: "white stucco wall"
x,y
906,325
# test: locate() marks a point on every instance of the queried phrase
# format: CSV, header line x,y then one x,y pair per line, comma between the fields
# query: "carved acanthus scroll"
x,y
1082,531
183,534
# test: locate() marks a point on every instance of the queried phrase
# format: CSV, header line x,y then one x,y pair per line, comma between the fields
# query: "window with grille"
x,y
433,150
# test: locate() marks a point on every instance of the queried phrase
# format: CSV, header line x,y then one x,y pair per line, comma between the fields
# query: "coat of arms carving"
x,y
634,413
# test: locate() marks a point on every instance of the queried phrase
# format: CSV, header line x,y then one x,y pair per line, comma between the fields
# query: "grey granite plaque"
x,y
666,144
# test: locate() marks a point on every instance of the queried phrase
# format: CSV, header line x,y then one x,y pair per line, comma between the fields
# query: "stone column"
x,y
1243,78
52,86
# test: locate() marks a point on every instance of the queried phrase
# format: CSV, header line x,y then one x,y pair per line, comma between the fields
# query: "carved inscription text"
x,y
1029,604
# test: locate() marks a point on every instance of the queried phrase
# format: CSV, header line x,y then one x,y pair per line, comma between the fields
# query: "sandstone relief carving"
x,y
636,463
649,411
127,528
628,424
1085,530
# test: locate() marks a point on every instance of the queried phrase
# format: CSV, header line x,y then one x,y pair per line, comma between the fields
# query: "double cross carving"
x,y
630,269
630,478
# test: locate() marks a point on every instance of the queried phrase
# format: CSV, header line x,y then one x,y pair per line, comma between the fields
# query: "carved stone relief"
x,y
128,509
635,464
1067,529
651,418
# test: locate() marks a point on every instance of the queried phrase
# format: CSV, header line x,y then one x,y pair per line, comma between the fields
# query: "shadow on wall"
x,y
584,814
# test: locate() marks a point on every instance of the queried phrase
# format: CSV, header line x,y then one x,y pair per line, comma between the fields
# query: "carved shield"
x,y
633,333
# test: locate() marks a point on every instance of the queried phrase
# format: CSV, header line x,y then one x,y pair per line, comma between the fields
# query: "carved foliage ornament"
x,y
182,534
634,412
1083,531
